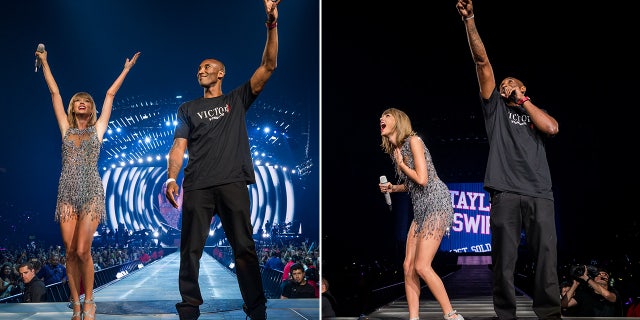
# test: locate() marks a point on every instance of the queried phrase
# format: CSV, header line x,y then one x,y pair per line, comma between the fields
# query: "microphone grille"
x,y
40,47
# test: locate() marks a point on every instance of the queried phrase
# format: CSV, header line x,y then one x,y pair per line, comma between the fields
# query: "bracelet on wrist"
x,y
469,17
271,25
523,100
170,180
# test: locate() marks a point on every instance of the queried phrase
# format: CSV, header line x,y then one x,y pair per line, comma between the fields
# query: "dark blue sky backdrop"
x,y
87,44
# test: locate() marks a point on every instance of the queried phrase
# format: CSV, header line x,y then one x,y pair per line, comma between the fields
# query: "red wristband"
x,y
523,100
271,25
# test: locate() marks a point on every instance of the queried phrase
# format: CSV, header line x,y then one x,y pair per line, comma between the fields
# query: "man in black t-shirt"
x,y
34,288
297,287
213,128
593,296
518,180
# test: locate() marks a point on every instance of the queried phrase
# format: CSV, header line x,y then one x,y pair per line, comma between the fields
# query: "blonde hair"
x,y
71,115
403,130
325,283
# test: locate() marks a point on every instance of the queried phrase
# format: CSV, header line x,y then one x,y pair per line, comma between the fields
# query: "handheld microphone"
x,y
387,196
513,96
38,62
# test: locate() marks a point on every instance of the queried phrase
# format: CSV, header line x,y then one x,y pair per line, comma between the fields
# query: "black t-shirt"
x,y
293,290
517,159
217,139
34,291
591,304
328,305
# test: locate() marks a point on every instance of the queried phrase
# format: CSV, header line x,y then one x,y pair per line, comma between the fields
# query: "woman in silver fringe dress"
x,y
81,203
432,209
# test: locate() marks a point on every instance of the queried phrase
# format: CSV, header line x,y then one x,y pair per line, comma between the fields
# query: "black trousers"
x,y
232,204
510,214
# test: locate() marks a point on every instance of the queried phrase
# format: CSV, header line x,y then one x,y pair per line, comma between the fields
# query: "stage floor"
x,y
152,292
469,289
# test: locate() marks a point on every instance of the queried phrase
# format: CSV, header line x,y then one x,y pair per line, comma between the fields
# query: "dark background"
x,y
576,61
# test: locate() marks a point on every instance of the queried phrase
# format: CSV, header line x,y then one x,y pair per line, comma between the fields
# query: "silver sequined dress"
x,y
80,189
432,206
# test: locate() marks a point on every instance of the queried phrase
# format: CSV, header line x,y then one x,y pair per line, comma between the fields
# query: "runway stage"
x,y
152,292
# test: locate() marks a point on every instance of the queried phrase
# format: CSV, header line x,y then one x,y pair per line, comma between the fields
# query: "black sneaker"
x,y
257,314
187,311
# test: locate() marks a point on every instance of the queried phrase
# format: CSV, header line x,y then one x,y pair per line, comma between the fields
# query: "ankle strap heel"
x,y
453,315
91,313
76,314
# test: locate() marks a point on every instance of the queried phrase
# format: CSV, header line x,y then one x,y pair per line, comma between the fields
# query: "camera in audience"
x,y
578,270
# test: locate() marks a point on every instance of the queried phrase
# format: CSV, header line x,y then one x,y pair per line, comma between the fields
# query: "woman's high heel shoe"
x,y
91,313
76,314
453,315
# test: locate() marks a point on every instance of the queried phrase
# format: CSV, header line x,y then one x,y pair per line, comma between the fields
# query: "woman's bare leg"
x,y
86,227
425,252
411,279
69,236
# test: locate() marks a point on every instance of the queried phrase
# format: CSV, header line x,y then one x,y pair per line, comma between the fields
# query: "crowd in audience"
x,y
49,262
298,262
281,255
